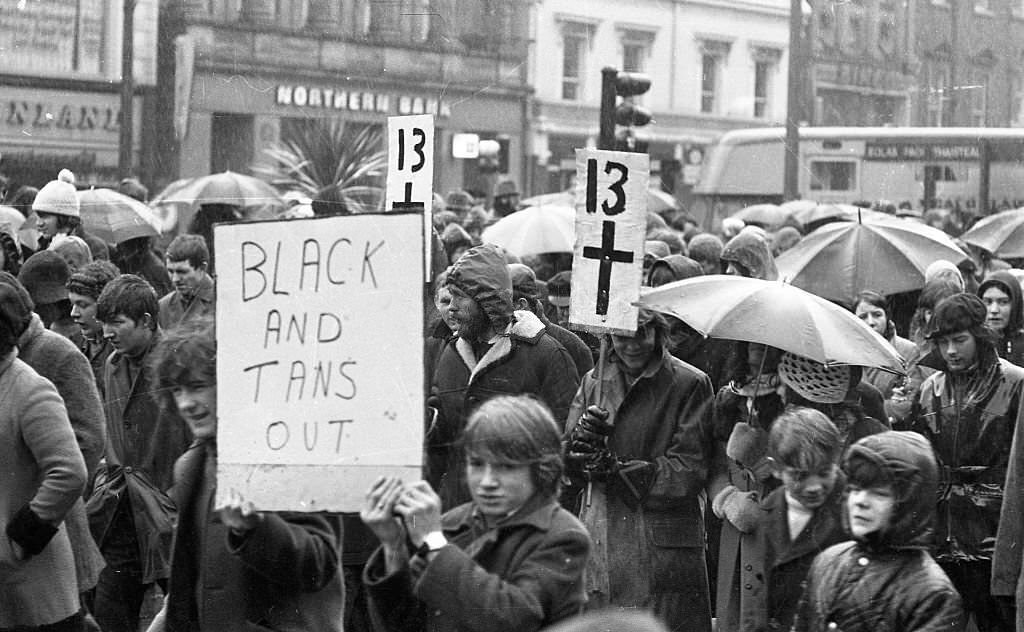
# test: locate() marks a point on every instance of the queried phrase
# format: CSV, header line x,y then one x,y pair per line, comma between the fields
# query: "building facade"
x,y
915,62
60,73
242,76
715,65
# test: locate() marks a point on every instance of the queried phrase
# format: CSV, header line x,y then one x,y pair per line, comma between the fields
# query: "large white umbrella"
x,y
534,230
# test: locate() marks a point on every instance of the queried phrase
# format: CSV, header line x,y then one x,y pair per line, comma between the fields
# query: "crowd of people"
x,y
654,481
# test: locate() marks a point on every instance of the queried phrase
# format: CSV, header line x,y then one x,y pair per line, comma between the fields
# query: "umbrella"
x,y
1001,234
115,217
11,220
534,230
773,313
659,201
824,213
253,195
884,254
767,216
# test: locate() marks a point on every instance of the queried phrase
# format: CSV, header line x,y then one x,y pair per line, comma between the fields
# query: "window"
x,y
713,53
708,82
1017,103
766,61
633,57
979,100
762,79
833,175
574,46
936,96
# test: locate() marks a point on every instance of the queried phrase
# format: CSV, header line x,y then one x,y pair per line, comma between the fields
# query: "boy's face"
x,y
870,508
130,337
184,277
810,488
197,404
959,350
83,311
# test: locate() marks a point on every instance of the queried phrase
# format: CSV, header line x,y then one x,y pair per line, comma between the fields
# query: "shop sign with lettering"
x,y
924,152
51,114
315,97
861,76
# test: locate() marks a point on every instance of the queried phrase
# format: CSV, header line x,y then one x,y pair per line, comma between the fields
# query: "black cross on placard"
x,y
607,255
407,204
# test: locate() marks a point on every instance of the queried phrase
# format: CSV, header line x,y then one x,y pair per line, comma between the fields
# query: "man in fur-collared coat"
x,y
496,352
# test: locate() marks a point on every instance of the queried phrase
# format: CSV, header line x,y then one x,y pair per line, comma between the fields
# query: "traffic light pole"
x,y
606,136
794,96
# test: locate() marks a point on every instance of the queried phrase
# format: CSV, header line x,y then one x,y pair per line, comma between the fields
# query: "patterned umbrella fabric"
x,y
1001,234
773,313
115,217
884,254
534,230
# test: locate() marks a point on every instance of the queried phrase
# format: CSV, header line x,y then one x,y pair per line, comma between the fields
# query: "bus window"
x,y
833,175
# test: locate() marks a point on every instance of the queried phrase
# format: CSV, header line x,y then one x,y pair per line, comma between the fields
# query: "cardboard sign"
x,y
611,222
410,179
319,358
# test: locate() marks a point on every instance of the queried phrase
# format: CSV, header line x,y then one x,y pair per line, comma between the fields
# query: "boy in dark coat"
x,y
804,516
236,568
885,579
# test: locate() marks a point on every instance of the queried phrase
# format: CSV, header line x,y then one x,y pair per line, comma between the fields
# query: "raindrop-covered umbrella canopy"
x,y
776,314
887,255
115,217
820,214
1002,234
767,216
249,193
534,230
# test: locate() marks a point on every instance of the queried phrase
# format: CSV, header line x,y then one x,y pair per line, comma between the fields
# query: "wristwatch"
x,y
433,541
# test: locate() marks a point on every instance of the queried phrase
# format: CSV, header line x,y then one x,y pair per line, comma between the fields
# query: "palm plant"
x,y
327,159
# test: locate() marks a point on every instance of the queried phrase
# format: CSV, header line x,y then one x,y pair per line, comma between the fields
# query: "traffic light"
x,y
616,84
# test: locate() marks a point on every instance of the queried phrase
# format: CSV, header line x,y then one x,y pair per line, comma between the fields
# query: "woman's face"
x,y
873,315
498,489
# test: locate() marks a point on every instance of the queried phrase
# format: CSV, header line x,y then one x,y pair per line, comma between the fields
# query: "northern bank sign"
x,y
318,98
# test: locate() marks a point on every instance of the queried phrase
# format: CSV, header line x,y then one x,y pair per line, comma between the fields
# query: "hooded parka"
x,y
887,581
1011,343
521,359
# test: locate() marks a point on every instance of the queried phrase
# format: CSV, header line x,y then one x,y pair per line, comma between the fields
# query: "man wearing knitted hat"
x,y
84,288
968,411
495,353
58,215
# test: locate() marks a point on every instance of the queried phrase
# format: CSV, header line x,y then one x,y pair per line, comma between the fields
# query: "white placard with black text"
x,y
319,358
410,178
611,223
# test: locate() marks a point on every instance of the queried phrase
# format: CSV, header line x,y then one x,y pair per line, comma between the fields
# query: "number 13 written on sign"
x,y
407,204
606,255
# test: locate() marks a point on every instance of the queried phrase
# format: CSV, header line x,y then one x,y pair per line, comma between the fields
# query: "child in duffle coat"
x,y
885,579
803,517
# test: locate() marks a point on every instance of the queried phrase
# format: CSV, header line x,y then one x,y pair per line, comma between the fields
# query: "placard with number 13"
x,y
410,179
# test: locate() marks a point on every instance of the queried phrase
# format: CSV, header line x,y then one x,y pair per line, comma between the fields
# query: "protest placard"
x,y
611,221
319,358
410,178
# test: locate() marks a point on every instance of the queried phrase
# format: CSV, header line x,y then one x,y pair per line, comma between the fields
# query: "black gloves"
x,y
590,434
29,531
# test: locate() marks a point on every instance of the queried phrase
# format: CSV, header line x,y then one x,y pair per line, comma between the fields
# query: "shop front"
x,y
232,120
43,131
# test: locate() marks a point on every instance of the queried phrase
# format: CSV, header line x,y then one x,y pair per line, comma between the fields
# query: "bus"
x,y
975,169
